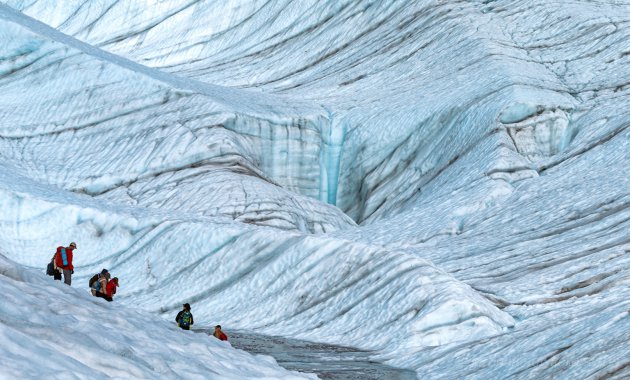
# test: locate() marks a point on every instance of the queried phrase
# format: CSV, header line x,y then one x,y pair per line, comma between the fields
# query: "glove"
x,y
72,271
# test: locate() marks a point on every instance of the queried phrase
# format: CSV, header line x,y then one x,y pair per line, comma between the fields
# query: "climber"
x,y
63,261
219,334
101,287
184,318
98,281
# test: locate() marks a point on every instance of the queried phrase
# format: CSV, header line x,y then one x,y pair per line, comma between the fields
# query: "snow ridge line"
x,y
233,98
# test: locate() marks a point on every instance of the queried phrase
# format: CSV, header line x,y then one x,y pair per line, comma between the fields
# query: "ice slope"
x,y
552,250
206,143
489,137
294,284
439,73
308,287
49,330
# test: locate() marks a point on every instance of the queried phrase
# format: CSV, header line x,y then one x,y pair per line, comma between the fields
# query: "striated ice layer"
x,y
483,147
131,134
151,186
412,85
312,287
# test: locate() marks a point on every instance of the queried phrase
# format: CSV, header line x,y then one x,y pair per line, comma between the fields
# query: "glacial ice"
x,y
61,338
445,183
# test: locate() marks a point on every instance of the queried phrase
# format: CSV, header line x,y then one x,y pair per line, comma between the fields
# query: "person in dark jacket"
x,y
184,318
63,261
219,334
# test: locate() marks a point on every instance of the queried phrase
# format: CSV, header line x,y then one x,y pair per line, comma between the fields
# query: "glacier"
x,y
443,183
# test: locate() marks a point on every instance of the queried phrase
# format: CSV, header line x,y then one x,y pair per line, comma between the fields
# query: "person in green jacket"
x,y
184,318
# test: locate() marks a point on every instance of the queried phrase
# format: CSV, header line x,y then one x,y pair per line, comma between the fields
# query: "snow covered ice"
x,y
446,184
50,330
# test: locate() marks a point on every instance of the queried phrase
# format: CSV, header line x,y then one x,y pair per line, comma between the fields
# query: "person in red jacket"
x,y
63,261
218,333
110,290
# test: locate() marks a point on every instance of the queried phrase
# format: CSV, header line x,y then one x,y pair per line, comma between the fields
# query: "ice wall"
x,y
133,148
439,73
312,287
482,146
157,130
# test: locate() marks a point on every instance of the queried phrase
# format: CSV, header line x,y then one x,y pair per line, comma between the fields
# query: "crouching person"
x,y
96,282
101,289
219,334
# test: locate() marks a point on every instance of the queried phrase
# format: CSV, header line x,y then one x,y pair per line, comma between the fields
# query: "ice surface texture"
x,y
48,329
483,147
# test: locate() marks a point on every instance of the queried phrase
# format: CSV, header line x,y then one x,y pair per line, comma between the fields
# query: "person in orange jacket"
x,y
219,334
63,261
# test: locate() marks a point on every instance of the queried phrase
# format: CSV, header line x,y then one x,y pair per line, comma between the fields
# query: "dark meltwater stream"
x,y
327,361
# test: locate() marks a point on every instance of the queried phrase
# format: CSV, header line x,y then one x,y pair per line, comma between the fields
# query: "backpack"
x,y
185,319
98,286
50,269
93,280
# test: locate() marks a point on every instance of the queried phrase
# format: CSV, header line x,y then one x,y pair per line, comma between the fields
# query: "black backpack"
x,y
50,269
93,279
